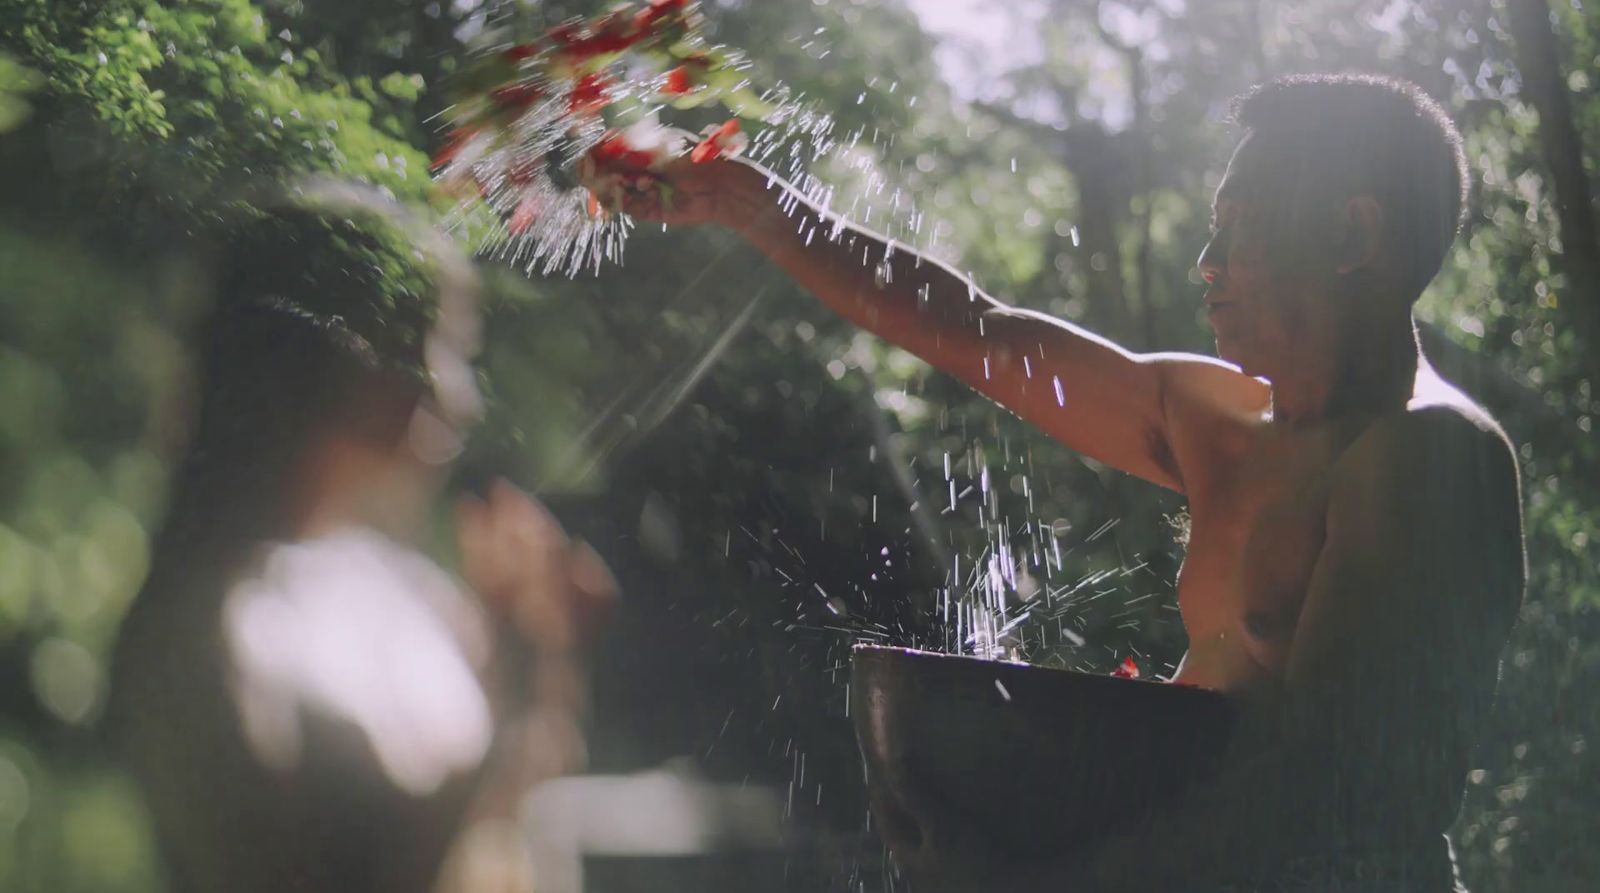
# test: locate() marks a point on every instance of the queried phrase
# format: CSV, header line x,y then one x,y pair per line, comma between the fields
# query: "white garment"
x,y
362,629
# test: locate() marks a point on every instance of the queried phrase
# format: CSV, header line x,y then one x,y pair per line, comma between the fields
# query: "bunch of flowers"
x,y
554,133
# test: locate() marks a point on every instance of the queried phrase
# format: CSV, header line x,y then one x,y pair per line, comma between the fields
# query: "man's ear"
x,y
1363,234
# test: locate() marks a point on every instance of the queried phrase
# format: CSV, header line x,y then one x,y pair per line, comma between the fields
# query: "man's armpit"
x,y
1208,410
1159,448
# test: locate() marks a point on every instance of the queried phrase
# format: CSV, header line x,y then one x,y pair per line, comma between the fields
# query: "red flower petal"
x,y
516,95
611,33
579,41
589,95
613,43
523,216
524,171
1127,669
711,147
451,147
518,52
706,151
658,9
614,152
678,82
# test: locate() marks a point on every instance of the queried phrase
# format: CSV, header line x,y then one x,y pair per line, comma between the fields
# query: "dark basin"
x,y
1029,760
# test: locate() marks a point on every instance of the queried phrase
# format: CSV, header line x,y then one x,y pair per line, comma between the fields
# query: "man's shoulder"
x,y
1436,405
1431,494
1441,434
1440,477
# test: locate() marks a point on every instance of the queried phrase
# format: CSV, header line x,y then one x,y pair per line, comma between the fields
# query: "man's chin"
x,y
1226,351
1229,353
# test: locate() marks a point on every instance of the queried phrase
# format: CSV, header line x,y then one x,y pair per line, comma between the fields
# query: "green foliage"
x,y
199,99
16,82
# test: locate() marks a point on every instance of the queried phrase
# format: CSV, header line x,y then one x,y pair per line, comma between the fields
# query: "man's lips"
x,y
1215,302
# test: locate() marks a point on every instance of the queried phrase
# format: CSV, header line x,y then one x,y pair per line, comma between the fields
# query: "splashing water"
x,y
529,218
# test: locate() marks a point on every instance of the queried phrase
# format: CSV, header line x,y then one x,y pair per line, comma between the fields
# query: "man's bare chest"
x,y
1256,529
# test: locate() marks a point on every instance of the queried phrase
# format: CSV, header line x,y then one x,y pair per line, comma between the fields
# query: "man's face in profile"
x,y
1267,266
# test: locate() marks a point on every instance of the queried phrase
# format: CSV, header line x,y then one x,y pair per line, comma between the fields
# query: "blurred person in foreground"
x,y
309,702
1355,560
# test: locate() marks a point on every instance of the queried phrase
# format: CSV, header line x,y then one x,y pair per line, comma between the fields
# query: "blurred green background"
x,y
1064,151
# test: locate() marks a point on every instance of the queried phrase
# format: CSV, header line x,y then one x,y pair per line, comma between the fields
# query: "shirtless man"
x,y
1355,561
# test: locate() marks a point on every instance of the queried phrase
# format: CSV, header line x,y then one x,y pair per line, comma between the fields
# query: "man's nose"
x,y
1210,261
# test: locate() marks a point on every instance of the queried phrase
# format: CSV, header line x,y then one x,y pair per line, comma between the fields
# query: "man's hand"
x,y
519,559
728,191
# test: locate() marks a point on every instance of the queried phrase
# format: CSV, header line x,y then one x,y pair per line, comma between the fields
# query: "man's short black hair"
x,y
316,329
362,281
1380,136
316,311
275,373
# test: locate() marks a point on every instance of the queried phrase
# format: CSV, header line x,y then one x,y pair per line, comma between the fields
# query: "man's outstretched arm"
x,y
1083,390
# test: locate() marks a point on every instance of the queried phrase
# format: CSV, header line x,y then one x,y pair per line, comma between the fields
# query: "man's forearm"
x,y
886,288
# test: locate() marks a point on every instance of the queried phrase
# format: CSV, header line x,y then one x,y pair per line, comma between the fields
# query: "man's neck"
x,y
1375,375
328,489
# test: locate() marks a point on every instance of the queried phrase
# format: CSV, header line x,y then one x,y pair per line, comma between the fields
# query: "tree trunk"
x,y
1545,84
1140,289
1095,167
1097,164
